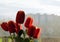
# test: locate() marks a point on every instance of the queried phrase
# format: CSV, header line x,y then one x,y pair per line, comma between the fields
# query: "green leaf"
x,y
19,39
20,33
27,40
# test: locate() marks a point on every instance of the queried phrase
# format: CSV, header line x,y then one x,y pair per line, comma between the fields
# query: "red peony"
x,y
4,26
28,22
20,17
11,26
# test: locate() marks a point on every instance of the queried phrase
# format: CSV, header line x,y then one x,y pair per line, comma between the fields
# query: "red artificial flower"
x,y
18,27
20,17
4,26
31,30
11,26
36,33
28,22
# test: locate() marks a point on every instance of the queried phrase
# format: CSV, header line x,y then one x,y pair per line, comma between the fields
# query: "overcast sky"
x,y
10,7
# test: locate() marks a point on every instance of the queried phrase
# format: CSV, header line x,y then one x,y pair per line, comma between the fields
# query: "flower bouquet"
x,y
19,34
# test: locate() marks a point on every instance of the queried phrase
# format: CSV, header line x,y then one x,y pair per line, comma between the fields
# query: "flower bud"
x,y
31,31
11,26
28,22
20,17
4,26
18,27
36,33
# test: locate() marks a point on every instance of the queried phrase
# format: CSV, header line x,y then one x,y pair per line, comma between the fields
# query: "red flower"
x,y
4,26
18,27
37,33
20,17
28,22
31,30
11,26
